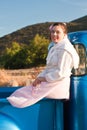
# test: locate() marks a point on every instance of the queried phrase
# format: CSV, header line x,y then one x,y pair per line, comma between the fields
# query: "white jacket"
x,y
61,58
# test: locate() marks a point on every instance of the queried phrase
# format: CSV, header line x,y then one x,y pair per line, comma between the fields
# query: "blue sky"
x,y
16,14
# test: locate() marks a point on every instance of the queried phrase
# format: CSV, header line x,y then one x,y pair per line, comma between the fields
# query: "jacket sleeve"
x,y
63,69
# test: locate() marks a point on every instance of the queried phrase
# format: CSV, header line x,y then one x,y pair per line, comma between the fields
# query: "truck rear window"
x,y
81,50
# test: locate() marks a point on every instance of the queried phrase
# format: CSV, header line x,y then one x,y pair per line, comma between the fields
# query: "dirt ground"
x,y
21,77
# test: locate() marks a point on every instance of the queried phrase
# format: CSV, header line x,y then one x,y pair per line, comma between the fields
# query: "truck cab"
x,y
76,107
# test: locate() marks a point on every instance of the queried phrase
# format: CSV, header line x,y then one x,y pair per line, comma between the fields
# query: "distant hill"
x,y
26,34
78,24
81,20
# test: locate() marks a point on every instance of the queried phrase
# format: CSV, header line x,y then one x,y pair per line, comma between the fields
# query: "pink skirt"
x,y
29,95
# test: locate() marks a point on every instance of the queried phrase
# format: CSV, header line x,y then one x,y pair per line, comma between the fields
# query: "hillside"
x,y
82,20
26,34
78,24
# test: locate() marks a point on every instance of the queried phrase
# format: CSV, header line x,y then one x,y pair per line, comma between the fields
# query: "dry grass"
x,y
21,77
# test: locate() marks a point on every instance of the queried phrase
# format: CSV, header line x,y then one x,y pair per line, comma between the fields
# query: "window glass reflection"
x,y
83,61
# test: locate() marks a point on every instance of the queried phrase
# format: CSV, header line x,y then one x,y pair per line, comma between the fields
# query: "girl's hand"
x,y
38,81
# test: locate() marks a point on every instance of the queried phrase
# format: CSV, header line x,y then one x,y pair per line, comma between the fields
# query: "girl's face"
x,y
57,33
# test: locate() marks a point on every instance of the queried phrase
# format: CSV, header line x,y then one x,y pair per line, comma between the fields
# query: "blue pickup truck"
x,y
51,114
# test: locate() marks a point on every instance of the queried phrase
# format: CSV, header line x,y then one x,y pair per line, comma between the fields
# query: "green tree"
x,y
10,54
40,45
25,56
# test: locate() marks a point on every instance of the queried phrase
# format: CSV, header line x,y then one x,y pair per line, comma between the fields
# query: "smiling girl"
x,y
54,80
